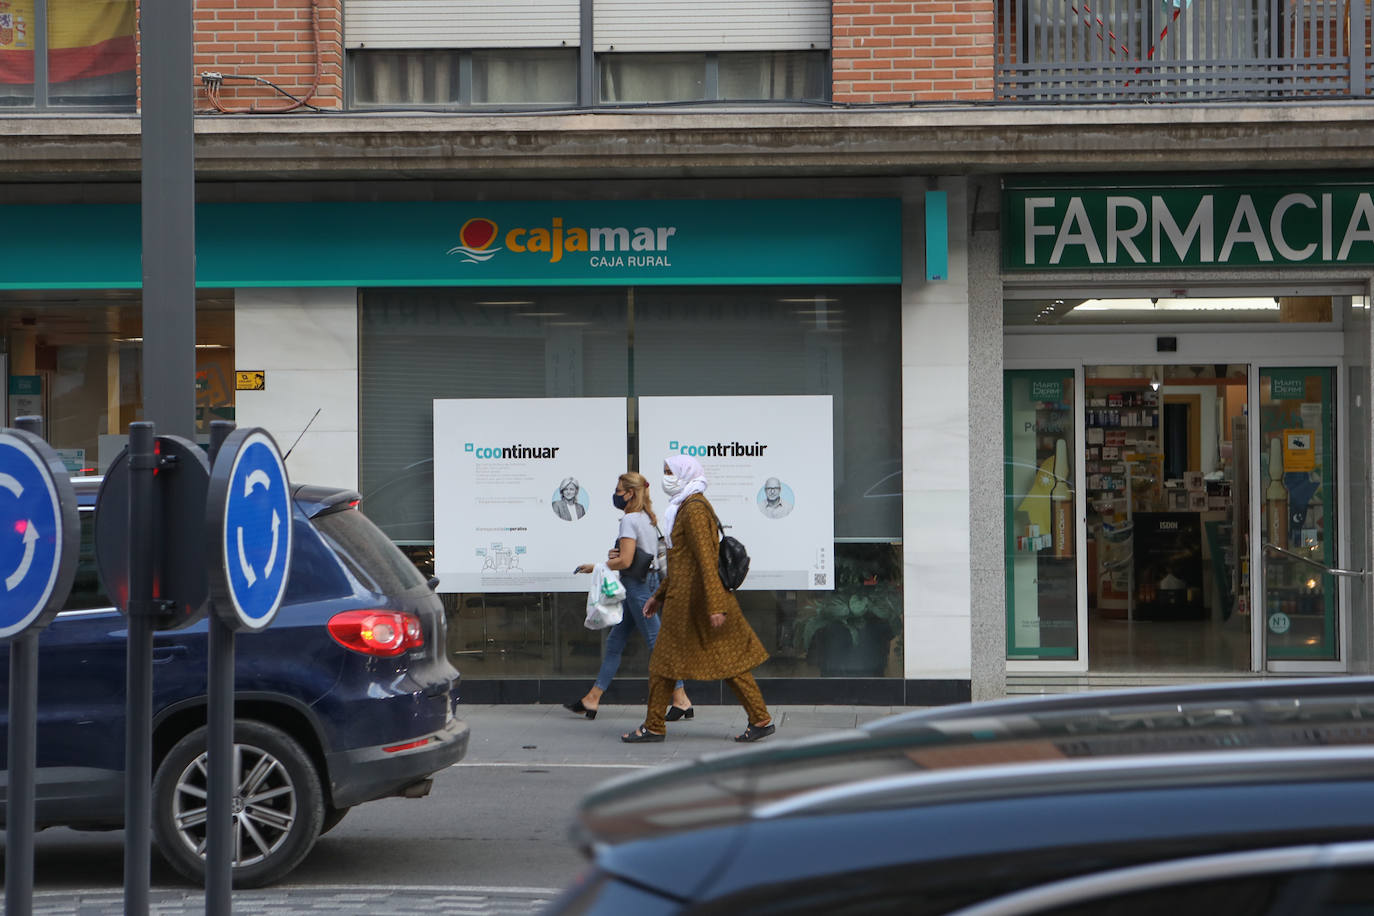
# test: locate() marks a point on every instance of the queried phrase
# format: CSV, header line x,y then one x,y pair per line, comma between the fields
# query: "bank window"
x,y
75,358
68,54
447,78
418,345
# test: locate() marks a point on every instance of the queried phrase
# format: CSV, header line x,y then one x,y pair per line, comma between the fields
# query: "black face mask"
x,y
617,500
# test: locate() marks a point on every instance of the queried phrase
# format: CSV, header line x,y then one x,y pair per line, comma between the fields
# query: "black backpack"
x,y
733,559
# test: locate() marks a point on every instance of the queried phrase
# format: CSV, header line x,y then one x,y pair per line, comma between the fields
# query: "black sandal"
x,y
580,709
677,712
755,732
640,735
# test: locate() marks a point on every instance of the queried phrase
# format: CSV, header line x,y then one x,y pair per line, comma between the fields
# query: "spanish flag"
x,y
86,38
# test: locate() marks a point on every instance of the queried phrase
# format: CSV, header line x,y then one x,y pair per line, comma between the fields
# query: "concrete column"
x,y
986,509
935,443
1359,355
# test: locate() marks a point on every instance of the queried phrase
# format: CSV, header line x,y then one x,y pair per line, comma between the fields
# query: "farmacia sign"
x,y
1074,228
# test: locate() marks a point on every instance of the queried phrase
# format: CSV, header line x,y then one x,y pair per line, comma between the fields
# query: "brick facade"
x,y
881,52
920,50
274,40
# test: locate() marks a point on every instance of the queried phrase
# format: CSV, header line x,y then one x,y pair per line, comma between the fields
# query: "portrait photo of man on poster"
x,y
775,500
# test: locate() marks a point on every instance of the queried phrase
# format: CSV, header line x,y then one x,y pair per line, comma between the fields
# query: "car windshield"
x,y
370,555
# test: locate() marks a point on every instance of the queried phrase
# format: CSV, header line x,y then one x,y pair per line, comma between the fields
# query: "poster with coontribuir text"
x,y
769,465
522,490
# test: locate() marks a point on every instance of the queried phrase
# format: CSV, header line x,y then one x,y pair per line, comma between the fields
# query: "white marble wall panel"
x,y
941,649
306,341
935,445
297,328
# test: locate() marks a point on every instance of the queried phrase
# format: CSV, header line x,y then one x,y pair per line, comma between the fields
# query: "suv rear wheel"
x,y
278,806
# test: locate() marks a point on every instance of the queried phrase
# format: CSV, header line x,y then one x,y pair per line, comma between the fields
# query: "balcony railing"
x,y
1111,51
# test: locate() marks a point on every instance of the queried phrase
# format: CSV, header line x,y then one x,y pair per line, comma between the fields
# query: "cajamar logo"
x,y
474,240
604,246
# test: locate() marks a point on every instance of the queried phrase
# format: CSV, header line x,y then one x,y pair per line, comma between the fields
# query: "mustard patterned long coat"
x,y
688,646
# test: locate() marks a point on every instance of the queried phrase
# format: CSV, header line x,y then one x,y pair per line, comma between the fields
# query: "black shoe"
x,y
580,709
677,712
640,735
755,732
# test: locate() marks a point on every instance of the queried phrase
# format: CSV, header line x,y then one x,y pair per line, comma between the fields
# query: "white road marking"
x,y
418,888
336,888
562,766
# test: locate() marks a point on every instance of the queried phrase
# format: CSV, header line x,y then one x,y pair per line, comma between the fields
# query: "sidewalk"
x,y
502,735
546,734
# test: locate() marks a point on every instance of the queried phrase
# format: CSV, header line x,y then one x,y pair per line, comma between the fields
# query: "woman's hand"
x,y
651,606
613,553
717,621
584,568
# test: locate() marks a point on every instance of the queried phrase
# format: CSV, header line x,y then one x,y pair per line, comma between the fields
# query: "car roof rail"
x,y
1296,688
1081,891
1071,777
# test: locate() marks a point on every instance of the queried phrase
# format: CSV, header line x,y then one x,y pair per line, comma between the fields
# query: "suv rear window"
x,y
370,555
87,592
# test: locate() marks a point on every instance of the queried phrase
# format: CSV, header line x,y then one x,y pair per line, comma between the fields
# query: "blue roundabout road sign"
x,y
39,532
248,515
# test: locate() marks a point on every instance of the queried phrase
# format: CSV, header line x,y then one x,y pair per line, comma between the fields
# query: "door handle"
x,y
1349,573
164,654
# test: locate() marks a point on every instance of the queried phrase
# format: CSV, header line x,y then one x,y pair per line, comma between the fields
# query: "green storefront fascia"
x,y
369,244
1191,222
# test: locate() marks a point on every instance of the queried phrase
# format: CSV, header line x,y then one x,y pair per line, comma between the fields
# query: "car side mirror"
x,y
433,583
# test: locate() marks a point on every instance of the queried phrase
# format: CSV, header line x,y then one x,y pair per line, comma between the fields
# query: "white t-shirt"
x,y
637,525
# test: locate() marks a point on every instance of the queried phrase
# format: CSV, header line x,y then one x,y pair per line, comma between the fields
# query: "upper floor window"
x,y
542,53
513,77
714,76
1145,51
68,54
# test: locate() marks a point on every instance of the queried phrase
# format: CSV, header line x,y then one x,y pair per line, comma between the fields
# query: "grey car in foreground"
x,y
1240,798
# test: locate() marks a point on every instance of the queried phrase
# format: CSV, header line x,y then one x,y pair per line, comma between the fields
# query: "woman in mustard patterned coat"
x,y
704,635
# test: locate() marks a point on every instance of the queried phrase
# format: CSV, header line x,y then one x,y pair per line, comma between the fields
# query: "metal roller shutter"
x,y
711,25
460,23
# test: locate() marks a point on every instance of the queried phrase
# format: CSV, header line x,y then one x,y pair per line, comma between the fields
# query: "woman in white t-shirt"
x,y
634,556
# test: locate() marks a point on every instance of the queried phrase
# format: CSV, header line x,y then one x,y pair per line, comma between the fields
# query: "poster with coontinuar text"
x,y
769,464
522,491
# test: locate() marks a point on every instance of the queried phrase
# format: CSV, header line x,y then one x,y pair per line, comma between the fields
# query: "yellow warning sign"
x,y
251,380
1299,452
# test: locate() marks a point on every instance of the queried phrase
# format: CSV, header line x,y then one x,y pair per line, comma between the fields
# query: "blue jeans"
x,y
632,617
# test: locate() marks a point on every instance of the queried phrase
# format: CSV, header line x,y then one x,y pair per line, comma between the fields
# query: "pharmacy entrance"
x,y
1179,496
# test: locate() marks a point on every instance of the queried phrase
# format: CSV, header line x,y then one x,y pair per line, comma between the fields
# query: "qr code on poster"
x,y
818,580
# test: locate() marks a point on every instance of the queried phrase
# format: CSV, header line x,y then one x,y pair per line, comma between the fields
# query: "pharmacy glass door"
x,y
1043,484
1166,460
1299,527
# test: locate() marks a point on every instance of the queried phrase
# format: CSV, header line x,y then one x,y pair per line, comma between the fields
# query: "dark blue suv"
x,y
347,697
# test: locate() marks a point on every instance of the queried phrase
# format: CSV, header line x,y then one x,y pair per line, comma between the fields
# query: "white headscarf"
x,y
693,479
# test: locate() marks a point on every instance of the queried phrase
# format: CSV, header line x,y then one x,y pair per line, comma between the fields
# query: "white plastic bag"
x,y
660,554
604,598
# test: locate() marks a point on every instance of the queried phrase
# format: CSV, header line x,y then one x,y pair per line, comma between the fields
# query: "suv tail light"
x,y
382,633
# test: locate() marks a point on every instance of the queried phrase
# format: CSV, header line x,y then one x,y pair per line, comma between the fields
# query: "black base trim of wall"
x,y
781,691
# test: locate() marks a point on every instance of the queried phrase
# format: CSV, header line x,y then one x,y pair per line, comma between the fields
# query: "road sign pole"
x,y
22,755
138,762
219,847
23,742
168,194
